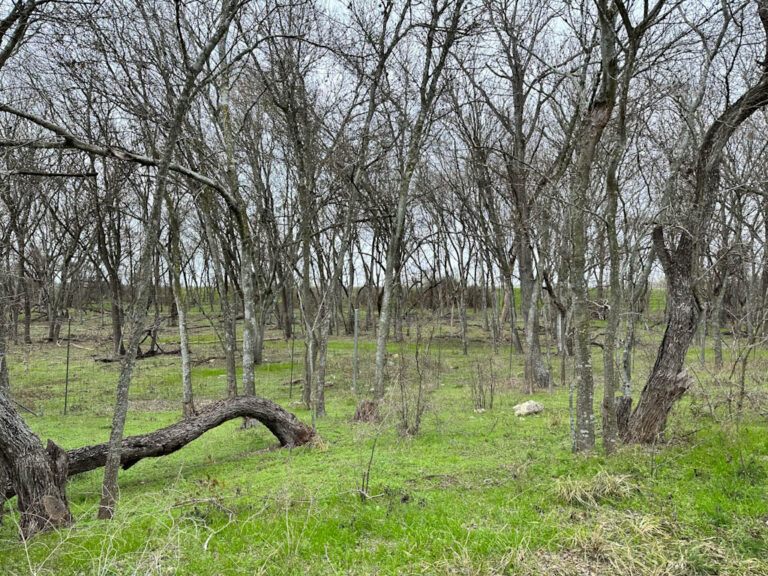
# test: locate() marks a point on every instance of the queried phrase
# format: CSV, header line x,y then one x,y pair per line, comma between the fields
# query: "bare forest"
x,y
493,274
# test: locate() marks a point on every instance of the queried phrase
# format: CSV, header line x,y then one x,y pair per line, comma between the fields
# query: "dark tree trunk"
x,y
286,309
668,381
623,409
37,475
288,429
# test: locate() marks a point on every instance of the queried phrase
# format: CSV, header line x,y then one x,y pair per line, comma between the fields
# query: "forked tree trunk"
x,y
38,476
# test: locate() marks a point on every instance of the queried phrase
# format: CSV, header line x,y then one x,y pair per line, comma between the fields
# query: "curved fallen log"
x,y
289,430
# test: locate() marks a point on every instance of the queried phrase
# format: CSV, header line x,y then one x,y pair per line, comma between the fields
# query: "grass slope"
x,y
474,493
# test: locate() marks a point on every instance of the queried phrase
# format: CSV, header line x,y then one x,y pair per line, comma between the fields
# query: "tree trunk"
x,y
484,300
393,255
286,308
536,374
230,342
463,315
5,390
180,300
5,384
509,311
243,227
668,382
265,304
322,359
38,476
610,381
116,315
288,429
187,402
398,310
717,325
597,119
26,284
494,312
584,438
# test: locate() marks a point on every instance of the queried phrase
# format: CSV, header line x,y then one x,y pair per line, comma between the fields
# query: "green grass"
x,y
473,493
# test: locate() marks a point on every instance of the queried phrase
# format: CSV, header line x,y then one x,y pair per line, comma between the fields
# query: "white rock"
x,y
529,407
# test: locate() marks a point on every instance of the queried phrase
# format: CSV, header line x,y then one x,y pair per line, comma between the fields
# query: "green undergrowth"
x,y
475,492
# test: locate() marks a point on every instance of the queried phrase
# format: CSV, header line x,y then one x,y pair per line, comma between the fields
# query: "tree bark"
x,y
322,358
180,300
37,475
5,389
597,119
288,429
5,385
668,381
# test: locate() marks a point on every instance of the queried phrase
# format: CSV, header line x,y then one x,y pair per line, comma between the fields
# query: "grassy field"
x,y
474,492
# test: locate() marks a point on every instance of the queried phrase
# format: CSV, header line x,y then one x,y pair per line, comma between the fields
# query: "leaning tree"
x,y
668,381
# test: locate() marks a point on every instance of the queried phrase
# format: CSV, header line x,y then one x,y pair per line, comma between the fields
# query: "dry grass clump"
x,y
616,543
591,491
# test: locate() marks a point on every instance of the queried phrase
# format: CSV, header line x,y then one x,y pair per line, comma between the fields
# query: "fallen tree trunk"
x,y
288,429
140,356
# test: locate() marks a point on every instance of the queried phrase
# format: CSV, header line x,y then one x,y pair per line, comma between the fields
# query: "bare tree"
x,y
668,381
